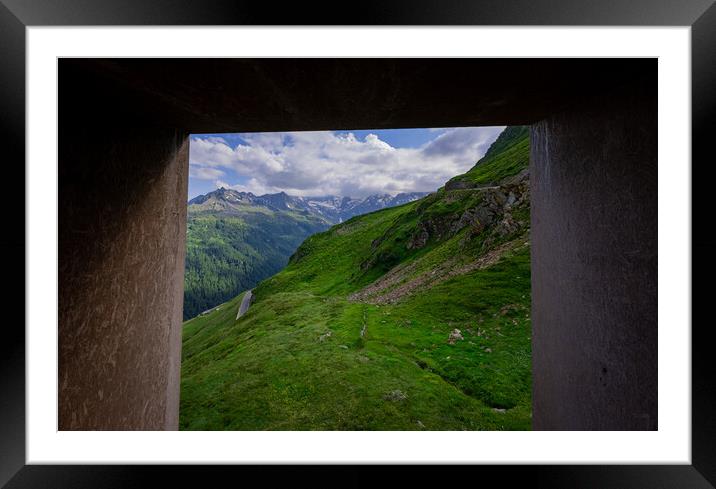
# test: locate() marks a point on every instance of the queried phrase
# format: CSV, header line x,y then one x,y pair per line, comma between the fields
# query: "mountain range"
x,y
236,239
331,209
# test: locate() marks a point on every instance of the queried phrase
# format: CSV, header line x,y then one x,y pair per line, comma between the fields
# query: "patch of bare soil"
x,y
388,289
391,278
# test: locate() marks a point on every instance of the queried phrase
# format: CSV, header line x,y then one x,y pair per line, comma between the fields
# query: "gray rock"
x,y
455,335
395,396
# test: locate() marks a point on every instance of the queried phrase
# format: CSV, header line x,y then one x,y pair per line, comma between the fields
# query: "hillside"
x,y
228,253
236,239
407,318
507,156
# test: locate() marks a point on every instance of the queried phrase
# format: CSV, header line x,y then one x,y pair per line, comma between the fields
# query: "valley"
x,y
236,239
414,316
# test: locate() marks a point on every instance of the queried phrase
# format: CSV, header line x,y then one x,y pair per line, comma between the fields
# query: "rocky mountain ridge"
x,y
332,209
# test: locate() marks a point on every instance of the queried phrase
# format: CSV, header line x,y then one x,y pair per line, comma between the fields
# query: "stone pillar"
x,y
122,232
594,265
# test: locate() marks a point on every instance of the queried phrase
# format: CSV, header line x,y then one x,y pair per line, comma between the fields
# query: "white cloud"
x,y
323,163
374,142
205,173
253,185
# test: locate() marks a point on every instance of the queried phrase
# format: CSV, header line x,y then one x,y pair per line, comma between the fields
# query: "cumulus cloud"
x,y
205,173
458,141
328,163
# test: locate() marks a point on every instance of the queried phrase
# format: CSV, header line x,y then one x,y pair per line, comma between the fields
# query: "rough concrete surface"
x,y
122,217
594,265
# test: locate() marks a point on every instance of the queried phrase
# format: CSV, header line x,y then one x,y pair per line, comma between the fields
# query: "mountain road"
x,y
245,303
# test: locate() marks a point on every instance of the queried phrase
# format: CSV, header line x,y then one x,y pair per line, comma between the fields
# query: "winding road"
x,y
245,303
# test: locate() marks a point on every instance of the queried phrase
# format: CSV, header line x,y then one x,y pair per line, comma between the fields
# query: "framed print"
x,y
454,235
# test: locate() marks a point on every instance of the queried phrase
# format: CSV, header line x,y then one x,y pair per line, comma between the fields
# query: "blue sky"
x,y
346,163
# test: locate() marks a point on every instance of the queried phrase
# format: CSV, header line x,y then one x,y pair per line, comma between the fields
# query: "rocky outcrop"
x,y
495,207
459,185
438,228
497,215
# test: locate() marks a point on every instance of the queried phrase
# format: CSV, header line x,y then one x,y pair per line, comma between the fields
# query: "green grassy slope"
x,y
507,156
354,333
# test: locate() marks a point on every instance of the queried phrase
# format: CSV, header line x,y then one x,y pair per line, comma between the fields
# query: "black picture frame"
x,y
15,15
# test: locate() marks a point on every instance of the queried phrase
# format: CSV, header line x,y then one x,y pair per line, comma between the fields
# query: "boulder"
x,y
455,335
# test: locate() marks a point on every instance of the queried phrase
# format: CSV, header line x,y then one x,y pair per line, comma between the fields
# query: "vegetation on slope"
x,y
413,317
229,252
507,156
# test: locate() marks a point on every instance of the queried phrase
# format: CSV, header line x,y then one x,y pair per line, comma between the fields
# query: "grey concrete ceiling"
x,y
233,95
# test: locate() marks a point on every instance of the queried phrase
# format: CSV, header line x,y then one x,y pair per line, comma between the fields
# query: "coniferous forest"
x,y
231,250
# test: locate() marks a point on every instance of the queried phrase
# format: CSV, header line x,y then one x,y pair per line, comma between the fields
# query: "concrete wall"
x,y
122,204
122,215
594,265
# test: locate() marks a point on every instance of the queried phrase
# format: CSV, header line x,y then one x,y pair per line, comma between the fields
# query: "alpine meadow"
x,y
406,312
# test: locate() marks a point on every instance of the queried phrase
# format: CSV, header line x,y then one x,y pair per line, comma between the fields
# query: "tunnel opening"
x,y
373,245
124,129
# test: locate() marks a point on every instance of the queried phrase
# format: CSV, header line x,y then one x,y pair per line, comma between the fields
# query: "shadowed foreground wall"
x,y
594,265
122,214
